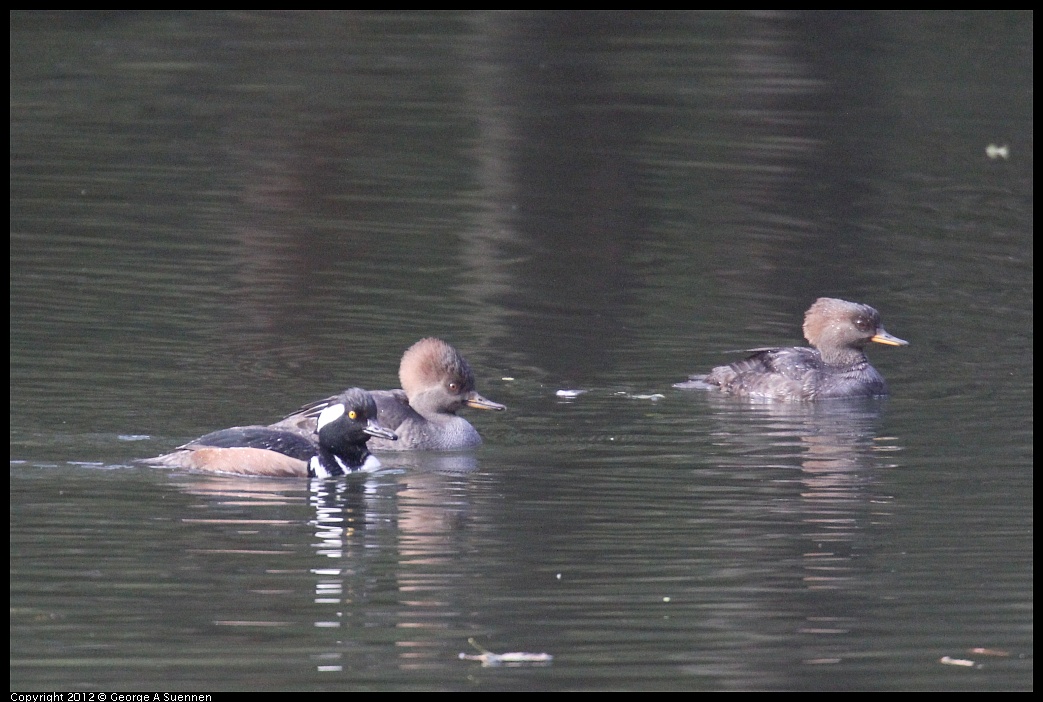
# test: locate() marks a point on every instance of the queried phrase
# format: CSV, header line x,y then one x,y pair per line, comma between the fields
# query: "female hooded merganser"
x,y
436,382
344,427
836,366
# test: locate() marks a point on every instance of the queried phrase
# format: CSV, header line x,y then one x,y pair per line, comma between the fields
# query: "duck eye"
x,y
353,414
454,386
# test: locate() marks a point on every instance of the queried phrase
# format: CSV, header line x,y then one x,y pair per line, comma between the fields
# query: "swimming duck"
x,y
436,382
344,427
836,367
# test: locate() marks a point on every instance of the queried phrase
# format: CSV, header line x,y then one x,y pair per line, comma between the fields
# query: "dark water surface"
x,y
216,217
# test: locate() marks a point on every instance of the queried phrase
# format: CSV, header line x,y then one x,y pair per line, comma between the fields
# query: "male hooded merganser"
x,y
836,366
436,382
344,427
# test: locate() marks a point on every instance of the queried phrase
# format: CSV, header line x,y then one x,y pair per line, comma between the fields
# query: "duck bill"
x,y
883,337
374,429
478,402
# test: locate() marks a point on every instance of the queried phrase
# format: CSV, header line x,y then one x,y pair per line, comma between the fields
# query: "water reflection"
x,y
236,212
380,553
835,444
830,520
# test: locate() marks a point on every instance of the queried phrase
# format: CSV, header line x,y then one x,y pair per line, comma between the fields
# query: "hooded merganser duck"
x,y
836,366
344,427
436,382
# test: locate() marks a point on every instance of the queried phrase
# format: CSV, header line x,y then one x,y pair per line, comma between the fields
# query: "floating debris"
x,y
569,394
654,397
946,660
994,152
989,652
513,659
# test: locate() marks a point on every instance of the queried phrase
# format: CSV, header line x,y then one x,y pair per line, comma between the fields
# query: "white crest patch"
x,y
330,414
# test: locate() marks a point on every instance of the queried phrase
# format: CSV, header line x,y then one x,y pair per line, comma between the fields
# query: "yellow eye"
x,y
353,414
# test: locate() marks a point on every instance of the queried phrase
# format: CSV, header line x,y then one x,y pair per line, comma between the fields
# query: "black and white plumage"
x,y
338,447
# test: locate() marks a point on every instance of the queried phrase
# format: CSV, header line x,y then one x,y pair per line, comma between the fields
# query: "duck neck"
x,y
329,464
844,358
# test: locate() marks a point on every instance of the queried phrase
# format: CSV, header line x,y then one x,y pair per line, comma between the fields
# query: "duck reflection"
x,y
816,524
354,543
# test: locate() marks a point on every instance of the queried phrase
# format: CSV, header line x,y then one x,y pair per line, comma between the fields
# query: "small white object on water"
x,y
994,152
569,394
514,658
654,397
